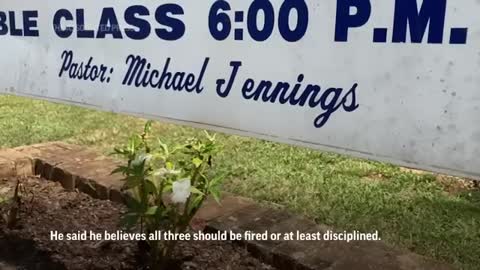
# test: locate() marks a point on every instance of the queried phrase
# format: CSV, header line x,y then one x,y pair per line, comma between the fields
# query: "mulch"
x,y
47,207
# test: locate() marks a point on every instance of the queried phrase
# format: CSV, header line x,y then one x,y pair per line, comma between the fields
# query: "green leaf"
x,y
134,204
217,181
118,151
156,181
150,187
134,143
163,146
132,182
120,169
148,127
216,195
158,157
168,188
195,190
197,162
195,203
202,180
151,211
169,166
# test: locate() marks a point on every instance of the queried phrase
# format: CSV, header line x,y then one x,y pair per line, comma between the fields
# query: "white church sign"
x,y
389,80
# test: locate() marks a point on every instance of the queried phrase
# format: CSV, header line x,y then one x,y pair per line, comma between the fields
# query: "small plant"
x,y
167,186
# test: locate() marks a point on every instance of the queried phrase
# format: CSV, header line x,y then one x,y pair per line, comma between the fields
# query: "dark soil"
x,y
47,207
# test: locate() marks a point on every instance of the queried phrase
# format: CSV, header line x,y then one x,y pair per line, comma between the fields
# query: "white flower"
x,y
181,191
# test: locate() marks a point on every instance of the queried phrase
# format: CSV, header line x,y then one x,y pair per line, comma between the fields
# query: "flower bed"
x,y
46,206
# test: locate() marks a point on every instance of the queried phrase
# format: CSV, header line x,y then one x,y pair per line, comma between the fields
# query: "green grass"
x,y
411,210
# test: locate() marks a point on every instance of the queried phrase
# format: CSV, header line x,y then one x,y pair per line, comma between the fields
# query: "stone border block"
x,y
7,168
15,163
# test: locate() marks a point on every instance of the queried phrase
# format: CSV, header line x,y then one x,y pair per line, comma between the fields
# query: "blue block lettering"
x,y
432,13
345,20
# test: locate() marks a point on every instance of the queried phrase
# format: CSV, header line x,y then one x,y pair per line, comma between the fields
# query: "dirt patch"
x,y
455,185
450,184
374,178
47,207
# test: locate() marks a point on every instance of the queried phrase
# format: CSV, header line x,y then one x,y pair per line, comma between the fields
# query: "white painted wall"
x,y
419,104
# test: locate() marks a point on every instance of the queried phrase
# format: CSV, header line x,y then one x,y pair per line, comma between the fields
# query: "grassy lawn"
x,y
434,216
